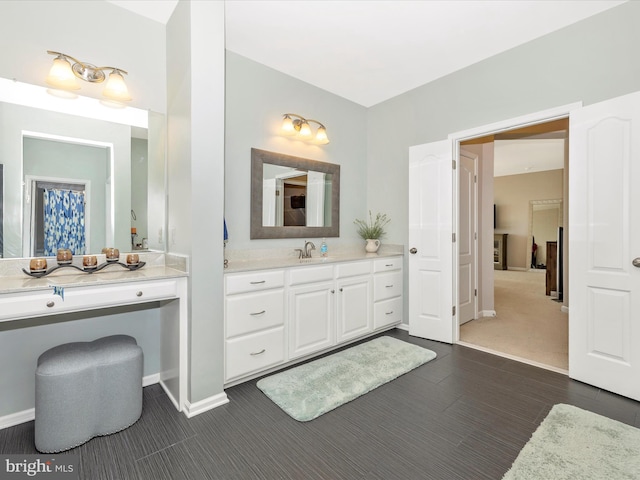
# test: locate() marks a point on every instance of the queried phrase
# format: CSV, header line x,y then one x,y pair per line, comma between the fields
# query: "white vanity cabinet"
x,y
277,316
311,306
353,295
387,292
254,322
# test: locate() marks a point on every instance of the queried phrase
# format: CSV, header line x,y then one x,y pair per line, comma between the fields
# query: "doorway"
x,y
518,316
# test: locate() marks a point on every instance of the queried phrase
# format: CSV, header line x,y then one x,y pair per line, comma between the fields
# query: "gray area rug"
x,y
572,443
308,391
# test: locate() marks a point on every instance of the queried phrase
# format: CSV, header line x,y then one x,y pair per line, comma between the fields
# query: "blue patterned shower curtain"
x,y
63,221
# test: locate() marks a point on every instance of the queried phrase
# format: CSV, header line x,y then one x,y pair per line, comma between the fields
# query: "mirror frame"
x,y
258,159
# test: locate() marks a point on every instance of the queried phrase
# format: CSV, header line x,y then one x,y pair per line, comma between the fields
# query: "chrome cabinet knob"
x,y
636,262
413,251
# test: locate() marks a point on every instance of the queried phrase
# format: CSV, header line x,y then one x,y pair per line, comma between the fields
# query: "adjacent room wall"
x,y
512,194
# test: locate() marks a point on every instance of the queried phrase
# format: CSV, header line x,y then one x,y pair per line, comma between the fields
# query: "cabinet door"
x,y
354,308
311,318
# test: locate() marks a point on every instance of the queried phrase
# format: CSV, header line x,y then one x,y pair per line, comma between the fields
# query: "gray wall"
x,y
589,61
256,99
96,32
195,97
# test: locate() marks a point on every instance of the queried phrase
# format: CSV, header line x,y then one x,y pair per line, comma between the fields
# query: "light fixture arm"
x,y
86,71
300,120
300,126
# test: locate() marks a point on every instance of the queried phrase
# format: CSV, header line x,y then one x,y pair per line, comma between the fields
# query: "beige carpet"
x,y
528,323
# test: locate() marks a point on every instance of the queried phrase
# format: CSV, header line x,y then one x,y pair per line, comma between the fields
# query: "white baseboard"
x,y
487,313
151,379
24,416
193,409
17,418
403,326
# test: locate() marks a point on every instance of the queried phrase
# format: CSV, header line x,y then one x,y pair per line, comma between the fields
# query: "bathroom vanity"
x,y
281,312
39,304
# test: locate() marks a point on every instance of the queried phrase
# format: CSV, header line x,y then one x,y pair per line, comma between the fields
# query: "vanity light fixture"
x,y
64,75
299,126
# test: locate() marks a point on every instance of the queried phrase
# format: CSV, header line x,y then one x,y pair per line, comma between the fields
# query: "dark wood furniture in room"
x,y
500,251
552,265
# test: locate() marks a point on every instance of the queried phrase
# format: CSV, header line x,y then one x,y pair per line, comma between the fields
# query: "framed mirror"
x,y
293,197
545,216
110,161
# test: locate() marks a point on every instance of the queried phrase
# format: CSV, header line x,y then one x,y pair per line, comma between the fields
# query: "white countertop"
x,y
157,268
240,265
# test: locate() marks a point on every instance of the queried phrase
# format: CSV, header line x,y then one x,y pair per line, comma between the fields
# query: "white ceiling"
x,y
514,157
369,51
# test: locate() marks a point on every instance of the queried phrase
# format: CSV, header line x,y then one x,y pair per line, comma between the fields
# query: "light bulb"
x,y
61,76
321,136
305,130
116,89
287,126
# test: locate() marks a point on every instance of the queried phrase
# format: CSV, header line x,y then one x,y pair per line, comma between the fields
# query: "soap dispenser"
x,y
324,250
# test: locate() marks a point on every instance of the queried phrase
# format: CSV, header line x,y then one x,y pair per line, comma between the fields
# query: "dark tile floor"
x,y
465,415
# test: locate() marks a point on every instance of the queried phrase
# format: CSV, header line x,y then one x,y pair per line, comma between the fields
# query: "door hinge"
x,y
453,237
453,310
453,164
277,193
475,179
475,293
475,236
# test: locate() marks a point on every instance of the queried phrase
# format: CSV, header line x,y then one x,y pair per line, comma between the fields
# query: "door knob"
x,y
413,251
636,262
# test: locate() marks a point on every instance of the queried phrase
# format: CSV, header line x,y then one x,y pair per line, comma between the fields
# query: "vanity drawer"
x,y
251,282
387,264
252,312
254,352
301,275
387,285
387,312
353,269
84,298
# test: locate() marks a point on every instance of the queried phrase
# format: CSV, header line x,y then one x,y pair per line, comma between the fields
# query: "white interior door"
x,y
430,241
604,240
467,238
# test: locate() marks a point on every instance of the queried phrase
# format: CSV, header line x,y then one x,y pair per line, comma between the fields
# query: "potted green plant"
x,y
372,230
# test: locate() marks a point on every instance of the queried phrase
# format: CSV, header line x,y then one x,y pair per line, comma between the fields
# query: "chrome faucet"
x,y
308,246
306,251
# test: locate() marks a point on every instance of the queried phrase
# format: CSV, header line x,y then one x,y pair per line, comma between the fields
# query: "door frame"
x,y
456,138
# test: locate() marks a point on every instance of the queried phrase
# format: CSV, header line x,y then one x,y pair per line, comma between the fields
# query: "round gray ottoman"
x,y
87,389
